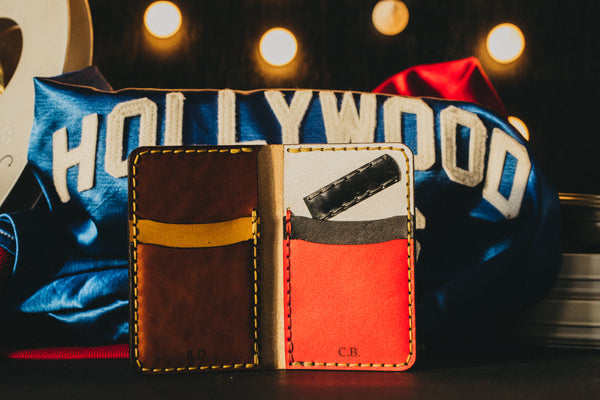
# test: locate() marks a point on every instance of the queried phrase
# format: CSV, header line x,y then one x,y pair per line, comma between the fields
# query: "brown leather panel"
x,y
195,306
187,188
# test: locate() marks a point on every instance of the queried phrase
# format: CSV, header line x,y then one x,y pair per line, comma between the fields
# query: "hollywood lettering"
x,y
344,124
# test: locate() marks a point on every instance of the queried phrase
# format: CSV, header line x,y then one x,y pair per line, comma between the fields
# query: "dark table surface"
x,y
520,373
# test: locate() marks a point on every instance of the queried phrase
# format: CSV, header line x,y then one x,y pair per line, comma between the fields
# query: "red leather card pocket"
x,y
348,306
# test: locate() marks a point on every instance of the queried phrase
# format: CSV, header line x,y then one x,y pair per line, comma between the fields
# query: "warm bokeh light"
x,y
520,126
390,17
162,19
278,46
505,43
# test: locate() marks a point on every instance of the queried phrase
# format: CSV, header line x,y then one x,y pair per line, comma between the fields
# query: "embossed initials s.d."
x,y
196,355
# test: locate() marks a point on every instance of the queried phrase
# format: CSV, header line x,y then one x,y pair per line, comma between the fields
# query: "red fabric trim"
x,y
5,259
116,351
462,80
6,263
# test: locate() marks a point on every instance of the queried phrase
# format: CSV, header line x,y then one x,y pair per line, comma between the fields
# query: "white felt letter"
x,y
174,119
83,156
226,117
501,145
450,118
393,108
346,125
291,116
114,163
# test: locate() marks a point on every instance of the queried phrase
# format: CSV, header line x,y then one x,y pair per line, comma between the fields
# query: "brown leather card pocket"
x,y
194,271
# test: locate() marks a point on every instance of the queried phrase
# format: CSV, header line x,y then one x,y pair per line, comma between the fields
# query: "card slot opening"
x,y
212,234
347,232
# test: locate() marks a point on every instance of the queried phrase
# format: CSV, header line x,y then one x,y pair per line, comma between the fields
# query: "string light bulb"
x,y
278,47
390,17
505,43
162,19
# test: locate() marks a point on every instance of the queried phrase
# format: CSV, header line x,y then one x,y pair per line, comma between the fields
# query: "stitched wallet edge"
x,y
133,270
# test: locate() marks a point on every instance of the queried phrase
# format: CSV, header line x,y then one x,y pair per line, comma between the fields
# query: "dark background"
x,y
552,87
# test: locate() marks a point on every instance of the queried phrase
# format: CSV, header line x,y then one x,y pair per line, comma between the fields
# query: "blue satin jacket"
x,y
488,221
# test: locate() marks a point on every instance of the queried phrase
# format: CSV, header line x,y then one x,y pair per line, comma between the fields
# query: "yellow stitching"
x,y
255,222
409,259
194,150
309,149
289,288
361,365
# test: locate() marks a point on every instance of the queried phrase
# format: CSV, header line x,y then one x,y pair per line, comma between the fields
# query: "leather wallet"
x,y
335,257
193,270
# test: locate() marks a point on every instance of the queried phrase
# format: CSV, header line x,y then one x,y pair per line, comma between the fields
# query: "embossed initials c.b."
x,y
348,352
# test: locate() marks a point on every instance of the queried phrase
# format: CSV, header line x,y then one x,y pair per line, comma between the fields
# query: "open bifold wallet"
x,y
272,256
